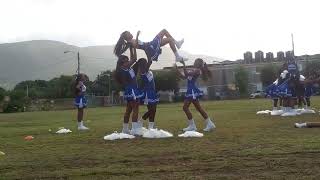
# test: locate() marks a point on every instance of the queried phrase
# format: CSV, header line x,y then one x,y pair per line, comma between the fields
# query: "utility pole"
x,y
27,91
78,63
78,57
292,44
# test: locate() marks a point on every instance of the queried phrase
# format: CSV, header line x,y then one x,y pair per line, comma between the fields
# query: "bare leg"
x,y
171,42
153,110
275,103
127,113
308,101
80,114
186,109
165,33
200,109
281,102
135,111
146,115
313,124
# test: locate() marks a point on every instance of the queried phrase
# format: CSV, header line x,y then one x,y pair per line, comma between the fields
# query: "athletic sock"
x,y
151,125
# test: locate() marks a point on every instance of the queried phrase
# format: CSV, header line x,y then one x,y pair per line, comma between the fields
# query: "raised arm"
x,y
133,56
182,76
137,36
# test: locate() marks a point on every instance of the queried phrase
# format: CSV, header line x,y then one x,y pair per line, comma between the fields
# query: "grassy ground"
x,y
244,146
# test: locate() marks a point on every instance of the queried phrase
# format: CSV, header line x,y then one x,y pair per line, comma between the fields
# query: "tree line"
x,y
62,87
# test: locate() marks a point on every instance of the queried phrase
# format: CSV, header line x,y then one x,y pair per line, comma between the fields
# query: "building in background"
x,y
222,85
258,56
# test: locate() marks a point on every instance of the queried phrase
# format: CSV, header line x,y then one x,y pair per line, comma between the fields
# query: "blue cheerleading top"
x,y
148,80
130,76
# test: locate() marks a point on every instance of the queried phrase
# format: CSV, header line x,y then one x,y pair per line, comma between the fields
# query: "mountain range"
x,y
45,59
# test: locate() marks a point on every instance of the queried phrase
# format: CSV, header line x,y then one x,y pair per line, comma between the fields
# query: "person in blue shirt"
x,y
150,96
125,75
152,48
80,100
193,93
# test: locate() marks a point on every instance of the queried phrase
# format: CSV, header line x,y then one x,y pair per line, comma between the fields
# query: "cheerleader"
x,y
80,100
152,48
193,94
126,76
150,97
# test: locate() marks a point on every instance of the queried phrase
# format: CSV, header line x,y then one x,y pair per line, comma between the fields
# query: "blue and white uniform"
x,y
309,90
131,91
285,89
293,69
150,95
152,48
80,100
272,91
193,92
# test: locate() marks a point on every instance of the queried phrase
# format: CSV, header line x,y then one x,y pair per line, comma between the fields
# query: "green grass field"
x,y
244,146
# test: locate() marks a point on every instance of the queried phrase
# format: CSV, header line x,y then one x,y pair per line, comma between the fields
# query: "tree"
x,y
2,93
269,74
101,84
61,87
241,80
16,103
166,80
311,68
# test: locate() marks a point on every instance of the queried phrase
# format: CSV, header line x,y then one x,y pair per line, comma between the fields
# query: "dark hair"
x,y
118,76
75,84
206,73
121,45
142,64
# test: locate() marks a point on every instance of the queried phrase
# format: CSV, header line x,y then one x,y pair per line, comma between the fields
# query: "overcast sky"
x,y
221,28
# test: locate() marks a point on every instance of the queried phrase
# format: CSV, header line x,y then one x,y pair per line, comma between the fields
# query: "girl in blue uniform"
x,y
193,94
80,100
126,76
272,92
152,48
150,97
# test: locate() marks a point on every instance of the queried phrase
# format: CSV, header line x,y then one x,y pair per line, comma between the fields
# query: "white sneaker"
x,y
82,128
300,125
291,112
125,128
140,123
151,125
190,128
136,130
210,126
125,131
180,58
179,43
276,112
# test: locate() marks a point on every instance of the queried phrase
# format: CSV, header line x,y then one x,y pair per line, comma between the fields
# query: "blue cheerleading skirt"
x,y
193,94
308,91
153,48
287,90
132,93
150,97
80,101
272,91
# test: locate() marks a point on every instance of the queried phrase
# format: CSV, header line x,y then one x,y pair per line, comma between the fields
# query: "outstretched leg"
x,y
307,125
191,124
209,124
125,125
186,110
200,109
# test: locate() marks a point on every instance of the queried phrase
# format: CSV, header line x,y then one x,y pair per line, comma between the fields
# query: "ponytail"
x,y
206,73
117,74
121,45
